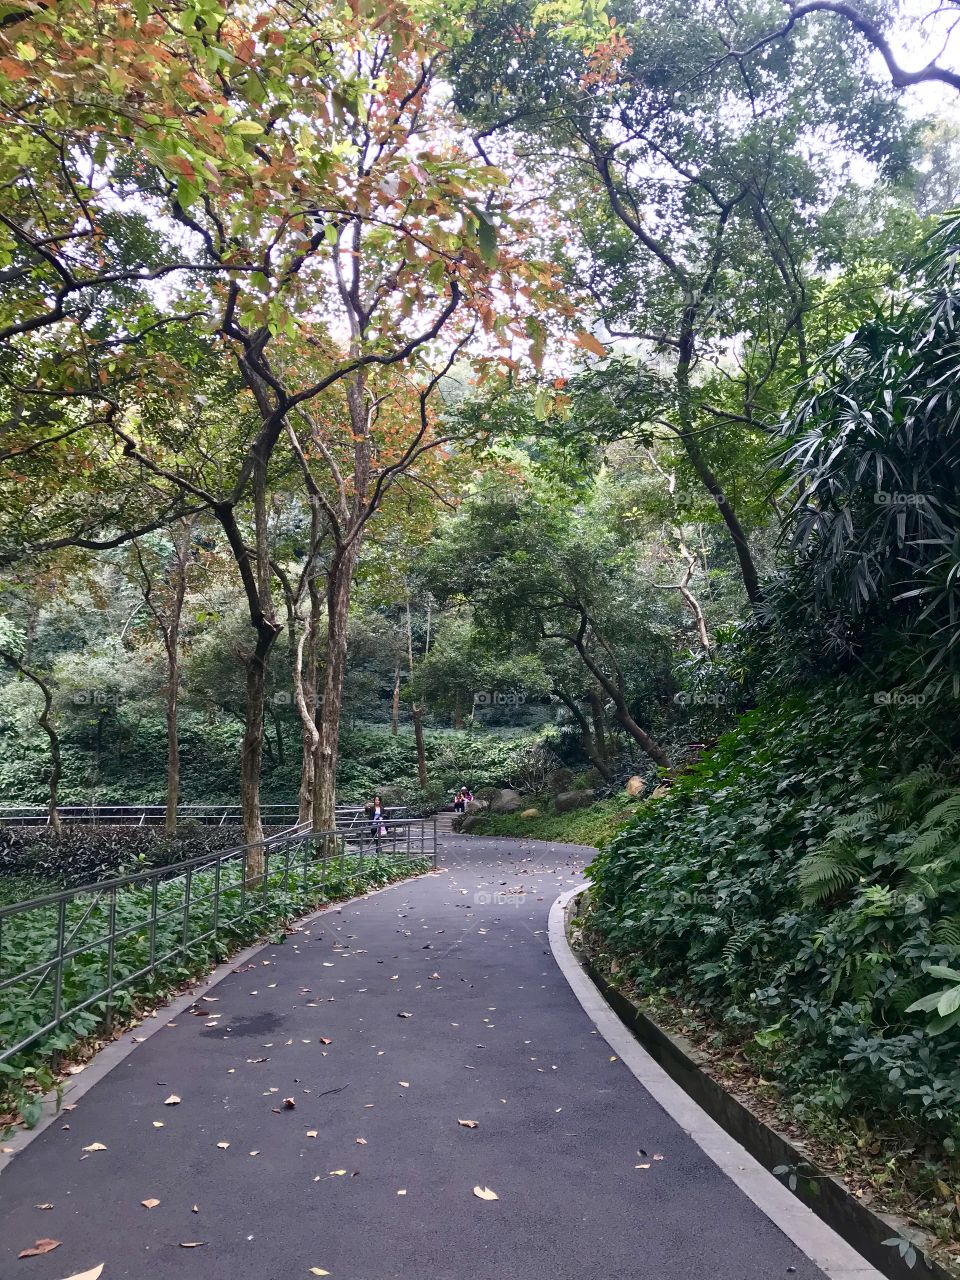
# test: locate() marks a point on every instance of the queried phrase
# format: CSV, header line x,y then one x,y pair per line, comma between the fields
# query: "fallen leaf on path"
x,y
289,1103
151,1203
76,1068
195,1209
641,1166
318,1271
312,1133
324,1040
362,1142
469,1124
223,1145
192,1244
337,1173
404,1015
404,1084
93,1274
402,1191
158,1124
484,1193
253,1153
39,1249
172,1101
95,1146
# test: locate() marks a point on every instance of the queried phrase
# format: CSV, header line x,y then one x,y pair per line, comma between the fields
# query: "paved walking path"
x,y
441,1002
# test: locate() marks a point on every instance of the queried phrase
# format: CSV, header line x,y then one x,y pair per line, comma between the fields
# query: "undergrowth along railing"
x,y
70,960
152,815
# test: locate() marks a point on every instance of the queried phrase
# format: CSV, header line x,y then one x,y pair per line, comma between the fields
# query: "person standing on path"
x,y
377,827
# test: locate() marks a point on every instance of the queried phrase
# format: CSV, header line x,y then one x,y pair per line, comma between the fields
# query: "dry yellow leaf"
x,y
469,1124
95,1146
337,1173
223,1145
158,1124
318,1271
171,1101
93,1274
484,1193
312,1133
150,1204
362,1142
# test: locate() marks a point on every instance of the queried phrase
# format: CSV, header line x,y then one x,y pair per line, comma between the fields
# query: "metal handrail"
x,y
14,815
229,896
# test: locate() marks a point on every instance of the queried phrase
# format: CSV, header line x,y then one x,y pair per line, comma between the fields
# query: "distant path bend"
x,y
593,1177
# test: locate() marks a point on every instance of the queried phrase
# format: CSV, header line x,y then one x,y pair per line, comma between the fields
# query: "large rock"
x,y
635,786
469,822
506,801
477,806
573,800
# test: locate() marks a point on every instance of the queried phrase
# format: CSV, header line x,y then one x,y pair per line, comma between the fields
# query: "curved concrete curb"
x,y
112,1054
821,1244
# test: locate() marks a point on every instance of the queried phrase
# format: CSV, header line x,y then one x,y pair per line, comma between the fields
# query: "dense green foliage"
x,y
799,884
126,766
593,825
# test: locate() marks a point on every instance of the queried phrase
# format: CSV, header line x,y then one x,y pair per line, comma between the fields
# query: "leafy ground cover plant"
x,y
801,887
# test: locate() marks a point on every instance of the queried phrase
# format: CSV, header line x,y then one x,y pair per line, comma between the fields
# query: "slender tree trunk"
x,y
395,706
170,627
339,585
305,693
251,753
741,542
614,690
458,711
587,740
596,712
416,709
417,714
173,735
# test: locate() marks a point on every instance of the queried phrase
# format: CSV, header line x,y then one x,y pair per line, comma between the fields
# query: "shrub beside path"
x,y
319,1127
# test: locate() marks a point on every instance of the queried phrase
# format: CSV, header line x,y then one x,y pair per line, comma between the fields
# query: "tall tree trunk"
x,y
741,543
458,711
170,628
305,693
417,714
615,691
416,709
251,753
339,585
173,736
395,705
587,739
596,713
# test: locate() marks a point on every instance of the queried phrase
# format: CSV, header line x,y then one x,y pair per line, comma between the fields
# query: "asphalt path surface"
x,y
387,1022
